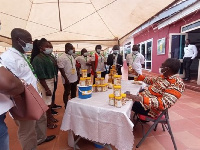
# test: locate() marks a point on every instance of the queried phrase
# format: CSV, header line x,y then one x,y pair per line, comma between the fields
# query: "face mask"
x,y
28,46
98,51
160,70
48,51
135,52
85,54
115,51
70,52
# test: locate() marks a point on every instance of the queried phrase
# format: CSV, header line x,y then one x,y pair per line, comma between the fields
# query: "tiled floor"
x,y
184,120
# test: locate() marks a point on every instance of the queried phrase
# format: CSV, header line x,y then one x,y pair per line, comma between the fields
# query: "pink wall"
x,y
149,33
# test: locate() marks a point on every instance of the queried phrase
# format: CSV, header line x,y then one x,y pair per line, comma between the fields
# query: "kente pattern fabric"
x,y
162,93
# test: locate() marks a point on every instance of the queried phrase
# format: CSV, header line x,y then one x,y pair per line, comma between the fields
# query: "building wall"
x,y
156,34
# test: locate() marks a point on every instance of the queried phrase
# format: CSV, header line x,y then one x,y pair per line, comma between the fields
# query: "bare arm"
x,y
9,84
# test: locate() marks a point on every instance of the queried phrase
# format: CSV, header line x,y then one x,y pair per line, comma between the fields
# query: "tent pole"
x,y
59,15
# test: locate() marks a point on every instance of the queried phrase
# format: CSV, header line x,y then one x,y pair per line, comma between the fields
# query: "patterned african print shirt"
x,y
161,94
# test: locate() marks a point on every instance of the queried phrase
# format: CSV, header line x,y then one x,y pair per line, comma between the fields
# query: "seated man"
x,y
163,91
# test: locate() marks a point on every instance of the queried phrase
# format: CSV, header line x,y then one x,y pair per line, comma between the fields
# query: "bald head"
x,y
19,38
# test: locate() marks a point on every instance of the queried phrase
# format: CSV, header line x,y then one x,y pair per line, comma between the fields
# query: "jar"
x,y
106,85
109,80
94,88
82,81
84,73
111,99
118,101
123,99
99,88
117,90
97,81
102,80
103,87
88,81
98,74
117,79
113,67
111,71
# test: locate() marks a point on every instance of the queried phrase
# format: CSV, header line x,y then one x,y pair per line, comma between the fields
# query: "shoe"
x,y
186,79
56,106
49,138
53,112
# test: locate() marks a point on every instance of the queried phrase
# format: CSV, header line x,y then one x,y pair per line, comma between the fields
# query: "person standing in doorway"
x,y
135,61
115,59
67,67
190,52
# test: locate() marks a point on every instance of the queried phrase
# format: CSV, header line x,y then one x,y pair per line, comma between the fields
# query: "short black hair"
x,y
98,47
116,47
83,51
68,46
174,64
135,47
41,42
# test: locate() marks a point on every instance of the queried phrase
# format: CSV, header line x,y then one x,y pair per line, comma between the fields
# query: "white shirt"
x,y
190,51
5,102
14,61
115,60
83,60
101,64
67,62
136,62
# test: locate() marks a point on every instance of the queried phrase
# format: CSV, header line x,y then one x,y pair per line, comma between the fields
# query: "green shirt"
x,y
44,67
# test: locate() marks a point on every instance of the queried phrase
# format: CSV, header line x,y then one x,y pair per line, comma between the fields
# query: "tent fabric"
x,y
80,21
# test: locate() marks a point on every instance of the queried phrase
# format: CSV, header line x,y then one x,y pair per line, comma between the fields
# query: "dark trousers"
x,y
69,88
139,109
130,78
103,74
54,90
187,61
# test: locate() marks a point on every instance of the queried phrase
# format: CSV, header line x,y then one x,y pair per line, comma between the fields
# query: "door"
x,y
176,47
146,51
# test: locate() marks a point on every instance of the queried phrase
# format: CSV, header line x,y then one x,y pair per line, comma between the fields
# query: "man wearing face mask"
x,y
85,62
30,132
115,59
135,61
67,67
46,73
163,91
98,62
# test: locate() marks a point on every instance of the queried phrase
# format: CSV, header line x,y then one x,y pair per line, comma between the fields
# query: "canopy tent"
x,y
106,22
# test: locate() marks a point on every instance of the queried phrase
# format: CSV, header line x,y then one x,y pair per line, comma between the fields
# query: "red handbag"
x,y
29,105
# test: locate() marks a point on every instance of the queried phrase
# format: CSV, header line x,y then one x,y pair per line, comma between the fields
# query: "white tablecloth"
x,y
95,120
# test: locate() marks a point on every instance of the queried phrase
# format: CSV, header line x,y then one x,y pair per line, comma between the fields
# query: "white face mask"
x,y
28,46
135,52
160,70
98,51
85,54
48,51
115,51
70,52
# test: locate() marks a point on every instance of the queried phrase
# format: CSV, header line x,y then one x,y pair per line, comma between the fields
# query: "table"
x,y
97,121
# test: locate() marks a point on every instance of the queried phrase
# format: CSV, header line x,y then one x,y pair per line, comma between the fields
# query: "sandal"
x,y
51,126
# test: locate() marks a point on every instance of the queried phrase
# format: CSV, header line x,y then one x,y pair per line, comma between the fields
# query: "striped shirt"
x,y
161,94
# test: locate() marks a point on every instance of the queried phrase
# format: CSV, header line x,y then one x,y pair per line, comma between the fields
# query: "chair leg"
x,y
171,134
156,127
163,127
76,142
144,137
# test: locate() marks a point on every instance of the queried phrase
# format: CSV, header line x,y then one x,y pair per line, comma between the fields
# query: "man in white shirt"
x,y
85,61
190,52
9,85
135,60
67,67
30,132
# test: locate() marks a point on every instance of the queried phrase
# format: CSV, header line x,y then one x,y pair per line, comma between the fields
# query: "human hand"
x,y
133,97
